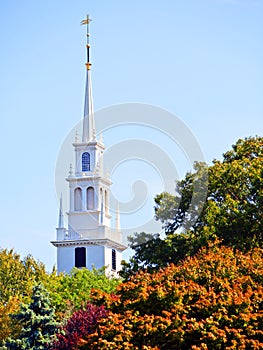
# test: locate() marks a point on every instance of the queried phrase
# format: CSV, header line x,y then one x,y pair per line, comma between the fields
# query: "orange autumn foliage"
x,y
211,301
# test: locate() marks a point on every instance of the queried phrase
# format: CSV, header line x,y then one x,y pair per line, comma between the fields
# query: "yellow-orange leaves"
x,y
211,301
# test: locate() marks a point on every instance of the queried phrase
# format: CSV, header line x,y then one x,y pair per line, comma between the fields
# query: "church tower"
x,y
89,240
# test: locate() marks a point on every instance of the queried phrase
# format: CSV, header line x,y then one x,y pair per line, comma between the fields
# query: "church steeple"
x,y
89,132
89,240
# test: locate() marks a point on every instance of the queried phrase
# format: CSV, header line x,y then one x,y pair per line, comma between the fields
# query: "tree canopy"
x,y
232,209
210,301
69,292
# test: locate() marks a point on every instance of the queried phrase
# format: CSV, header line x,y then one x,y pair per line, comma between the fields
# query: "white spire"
x,y
88,119
60,215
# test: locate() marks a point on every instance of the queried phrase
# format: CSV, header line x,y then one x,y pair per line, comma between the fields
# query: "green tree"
x,y
17,277
71,291
232,210
37,321
149,254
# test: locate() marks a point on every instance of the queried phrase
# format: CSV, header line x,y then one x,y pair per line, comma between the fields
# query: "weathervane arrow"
x,y
85,21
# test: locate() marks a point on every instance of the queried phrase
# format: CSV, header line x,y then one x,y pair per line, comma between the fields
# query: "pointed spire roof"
x,y
60,215
88,118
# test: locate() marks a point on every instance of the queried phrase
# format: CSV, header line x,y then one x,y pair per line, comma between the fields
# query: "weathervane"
x,y
86,22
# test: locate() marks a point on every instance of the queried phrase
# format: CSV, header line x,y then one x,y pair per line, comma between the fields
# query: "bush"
x,y
78,326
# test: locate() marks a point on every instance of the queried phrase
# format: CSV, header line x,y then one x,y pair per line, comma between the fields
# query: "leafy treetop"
x,y
232,210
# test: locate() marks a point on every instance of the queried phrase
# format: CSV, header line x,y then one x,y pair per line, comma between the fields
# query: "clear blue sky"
x,y
201,60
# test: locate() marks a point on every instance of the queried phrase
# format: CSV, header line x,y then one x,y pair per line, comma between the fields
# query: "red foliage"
x,y
79,325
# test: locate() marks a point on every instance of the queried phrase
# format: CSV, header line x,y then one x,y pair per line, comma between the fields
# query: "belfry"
x,y
89,241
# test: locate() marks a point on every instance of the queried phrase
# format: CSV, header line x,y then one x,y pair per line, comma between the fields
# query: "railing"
x,y
102,232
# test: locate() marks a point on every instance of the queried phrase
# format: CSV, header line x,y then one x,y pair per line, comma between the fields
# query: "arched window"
x,y
101,206
106,202
78,199
90,198
85,161
101,200
80,257
113,259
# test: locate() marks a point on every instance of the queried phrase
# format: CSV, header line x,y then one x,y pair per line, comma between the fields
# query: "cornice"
x,y
83,145
82,212
93,177
89,242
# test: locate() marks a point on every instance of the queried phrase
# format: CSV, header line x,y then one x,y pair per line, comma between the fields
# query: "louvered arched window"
x,y
106,202
78,199
85,161
90,198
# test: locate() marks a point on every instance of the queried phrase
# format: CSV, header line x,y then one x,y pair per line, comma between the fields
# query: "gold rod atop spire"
x,y
86,22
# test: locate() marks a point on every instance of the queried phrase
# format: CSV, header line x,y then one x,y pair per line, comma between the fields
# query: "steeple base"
x,y
89,253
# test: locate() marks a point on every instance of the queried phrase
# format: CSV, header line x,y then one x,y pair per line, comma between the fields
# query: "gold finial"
x,y
86,22
88,65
